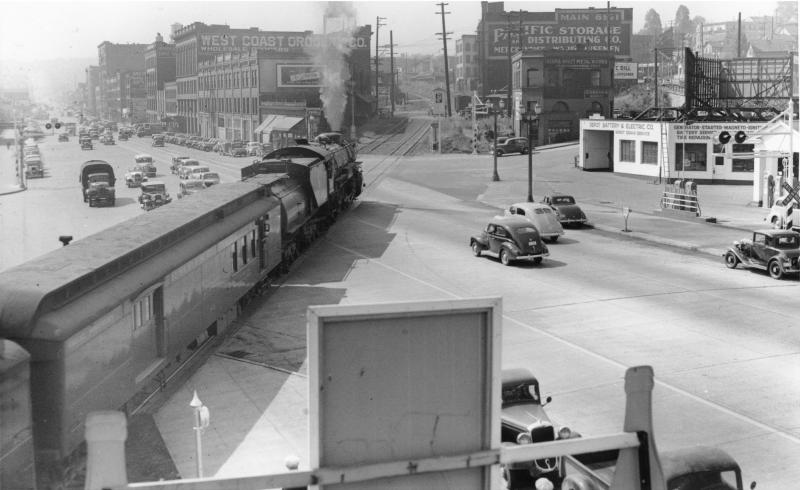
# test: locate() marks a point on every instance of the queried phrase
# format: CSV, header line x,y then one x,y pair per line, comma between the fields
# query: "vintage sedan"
x,y
510,239
63,137
511,145
567,211
154,194
147,163
541,216
524,421
776,251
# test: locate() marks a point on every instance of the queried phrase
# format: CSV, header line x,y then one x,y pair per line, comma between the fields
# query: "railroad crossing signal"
x,y
793,194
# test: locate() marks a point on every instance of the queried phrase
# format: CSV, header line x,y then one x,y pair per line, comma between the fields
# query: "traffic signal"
x,y
48,125
740,137
724,137
58,125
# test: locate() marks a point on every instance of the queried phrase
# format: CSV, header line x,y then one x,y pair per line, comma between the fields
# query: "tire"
x,y
537,261
731,260
504,258
775,270
499,153
476,249
775,222
554,239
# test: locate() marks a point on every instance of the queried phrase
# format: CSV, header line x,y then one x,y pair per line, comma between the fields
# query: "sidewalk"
x,y
9,181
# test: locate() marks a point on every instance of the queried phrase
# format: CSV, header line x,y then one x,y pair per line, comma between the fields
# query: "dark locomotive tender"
x,y
112,315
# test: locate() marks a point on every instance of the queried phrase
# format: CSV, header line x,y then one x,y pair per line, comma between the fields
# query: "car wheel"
x,y
476,249
504,258
775,222
731,260
499,153
553,239
775,270
537,261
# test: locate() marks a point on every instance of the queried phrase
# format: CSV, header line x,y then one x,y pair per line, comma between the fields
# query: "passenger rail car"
x,y
112,315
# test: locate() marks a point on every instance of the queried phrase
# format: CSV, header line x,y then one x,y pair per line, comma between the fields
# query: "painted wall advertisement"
x,y
237,41
570,30
299,76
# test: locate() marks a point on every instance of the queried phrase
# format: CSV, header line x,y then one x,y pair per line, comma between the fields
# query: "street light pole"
x,y
495,175
530,118
201,421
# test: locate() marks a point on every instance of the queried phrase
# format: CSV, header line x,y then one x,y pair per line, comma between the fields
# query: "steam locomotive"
x,y
111,316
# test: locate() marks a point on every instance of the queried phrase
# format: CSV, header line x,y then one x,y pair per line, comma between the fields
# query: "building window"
x,y
253,243
742,164
719,160
627,151
649,152
235,257
142,311
533,78
595,78
694,159
244,250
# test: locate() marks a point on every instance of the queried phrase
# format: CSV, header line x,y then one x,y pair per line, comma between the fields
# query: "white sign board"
x,y
399,381
625,71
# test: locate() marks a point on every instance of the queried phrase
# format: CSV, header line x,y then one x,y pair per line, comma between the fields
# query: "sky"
x,y
35,30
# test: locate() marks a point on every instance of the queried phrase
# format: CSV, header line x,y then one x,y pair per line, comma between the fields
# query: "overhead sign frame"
x,y
401,381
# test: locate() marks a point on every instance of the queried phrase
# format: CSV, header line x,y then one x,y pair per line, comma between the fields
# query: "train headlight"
x,y
524,438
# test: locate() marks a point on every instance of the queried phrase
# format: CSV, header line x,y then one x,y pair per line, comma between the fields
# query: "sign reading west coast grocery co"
x,y
277,42
564,30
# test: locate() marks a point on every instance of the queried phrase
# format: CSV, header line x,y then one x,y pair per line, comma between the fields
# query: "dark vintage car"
x,y
146,162
567,211
524,421
154,194
177,162
63,137
510,238
511,145
86,144
776,251
158,140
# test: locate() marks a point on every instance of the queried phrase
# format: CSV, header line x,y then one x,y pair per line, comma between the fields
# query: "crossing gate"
x,y
681,196
788,221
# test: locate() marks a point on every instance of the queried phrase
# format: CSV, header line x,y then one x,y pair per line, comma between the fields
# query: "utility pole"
x,y
378,25
391,66
739,38
611,61
446,67
508,87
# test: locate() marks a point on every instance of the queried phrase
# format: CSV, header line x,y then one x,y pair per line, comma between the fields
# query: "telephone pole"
x,y
446,67
391,67
378,25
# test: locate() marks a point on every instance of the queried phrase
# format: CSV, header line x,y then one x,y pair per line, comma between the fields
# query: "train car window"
x,y
142,311
234,256
244,250
253,243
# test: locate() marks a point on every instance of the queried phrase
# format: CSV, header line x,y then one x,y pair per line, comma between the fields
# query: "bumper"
x,y
572,221
531,256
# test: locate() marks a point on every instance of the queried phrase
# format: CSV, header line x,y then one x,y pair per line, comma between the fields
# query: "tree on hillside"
x,y
786,13
652,24
683,22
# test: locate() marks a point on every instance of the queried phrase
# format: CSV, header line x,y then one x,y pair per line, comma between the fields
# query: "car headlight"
x,y
524,438
564,432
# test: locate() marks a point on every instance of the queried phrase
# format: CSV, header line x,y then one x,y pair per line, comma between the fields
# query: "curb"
x,y
660,240
13,191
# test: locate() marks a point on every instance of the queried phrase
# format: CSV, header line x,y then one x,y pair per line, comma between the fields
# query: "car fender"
x,y
735,251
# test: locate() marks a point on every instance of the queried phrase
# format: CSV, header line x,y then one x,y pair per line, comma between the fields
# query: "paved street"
x,y
597,305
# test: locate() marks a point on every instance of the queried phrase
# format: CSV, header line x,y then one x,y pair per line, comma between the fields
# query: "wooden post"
x,y
106,432
639,418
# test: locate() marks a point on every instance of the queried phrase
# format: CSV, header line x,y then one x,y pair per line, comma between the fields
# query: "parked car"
x,y
511,145
147,163
158,140
186,168
509,239
195,172
107,139
33,166
524,421
86,144
567,211
779,213
207,178
253,148
177,162
541,216
63,137
189,187
775,251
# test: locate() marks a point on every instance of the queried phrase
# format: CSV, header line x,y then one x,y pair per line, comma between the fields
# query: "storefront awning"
x,y
278,123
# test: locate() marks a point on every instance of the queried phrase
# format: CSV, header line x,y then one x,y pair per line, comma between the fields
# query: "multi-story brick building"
x,y
134,97
159,59
92,84
467,73
115,60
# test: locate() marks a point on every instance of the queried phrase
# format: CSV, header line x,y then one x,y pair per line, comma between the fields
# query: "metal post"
x,y
201,421
391,68
495,176
529,120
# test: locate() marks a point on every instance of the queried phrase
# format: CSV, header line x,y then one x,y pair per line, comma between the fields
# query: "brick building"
x,y
159,59
115,61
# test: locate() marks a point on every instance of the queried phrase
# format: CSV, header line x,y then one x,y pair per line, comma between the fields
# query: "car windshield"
x,y
542,210
786,242
523,392
144,159
211,176
193,184
99,178
153,188
563,200
526,231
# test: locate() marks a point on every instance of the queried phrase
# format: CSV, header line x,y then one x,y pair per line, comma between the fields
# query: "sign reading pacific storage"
x,y
299,76
276,42
564,30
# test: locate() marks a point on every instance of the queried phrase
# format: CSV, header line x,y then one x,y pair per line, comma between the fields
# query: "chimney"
x,y
159,38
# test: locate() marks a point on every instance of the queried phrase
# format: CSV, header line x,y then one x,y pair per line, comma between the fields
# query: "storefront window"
x,y
742,164
627,151
695,158
649,152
